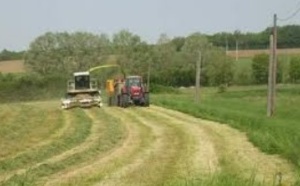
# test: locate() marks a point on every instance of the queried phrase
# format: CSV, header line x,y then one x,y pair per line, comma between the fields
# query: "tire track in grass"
x,y
137,139
237,155
75,135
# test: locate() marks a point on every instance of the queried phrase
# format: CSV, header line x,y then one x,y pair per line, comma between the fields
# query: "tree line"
x,y
10,55
288,37
171,61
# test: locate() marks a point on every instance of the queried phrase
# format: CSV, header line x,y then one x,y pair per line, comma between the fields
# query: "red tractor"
x,y
129,91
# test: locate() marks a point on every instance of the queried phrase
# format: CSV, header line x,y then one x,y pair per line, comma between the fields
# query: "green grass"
x,y
243,70
245,109
109,136
16,134
74,136
219,179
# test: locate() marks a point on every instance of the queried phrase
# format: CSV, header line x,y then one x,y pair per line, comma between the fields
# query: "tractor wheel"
x,y
147,100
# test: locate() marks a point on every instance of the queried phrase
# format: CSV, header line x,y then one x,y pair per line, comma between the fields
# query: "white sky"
x,y
23,20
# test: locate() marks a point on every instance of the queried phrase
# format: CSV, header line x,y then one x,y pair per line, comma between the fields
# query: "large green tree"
x,y
130,51
65,53
220,68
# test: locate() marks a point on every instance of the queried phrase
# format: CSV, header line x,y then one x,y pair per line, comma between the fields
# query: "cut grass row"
x,y
139,138
76,134
110,136
246,111
216,173
17,124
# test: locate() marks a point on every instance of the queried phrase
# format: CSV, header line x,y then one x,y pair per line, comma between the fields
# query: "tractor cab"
x,y
133,81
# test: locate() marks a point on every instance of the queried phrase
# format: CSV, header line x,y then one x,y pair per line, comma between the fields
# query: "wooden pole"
x,y
274,63
270,81
198,74
272,71
236,50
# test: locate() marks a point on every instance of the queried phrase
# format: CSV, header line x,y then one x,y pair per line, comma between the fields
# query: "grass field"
x,y
244,108
251,53
44,145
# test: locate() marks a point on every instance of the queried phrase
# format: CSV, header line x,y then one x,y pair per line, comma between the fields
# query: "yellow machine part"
x,y
110,87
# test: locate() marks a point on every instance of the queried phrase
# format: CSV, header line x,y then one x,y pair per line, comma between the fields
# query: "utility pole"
x,y
236,50
148,78
198,75
270,83
275,62
226,45
272,71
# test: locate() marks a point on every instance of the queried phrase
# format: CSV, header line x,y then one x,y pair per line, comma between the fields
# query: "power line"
x,y
292,15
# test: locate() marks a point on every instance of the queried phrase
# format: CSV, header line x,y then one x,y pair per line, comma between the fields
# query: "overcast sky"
x,y
23,20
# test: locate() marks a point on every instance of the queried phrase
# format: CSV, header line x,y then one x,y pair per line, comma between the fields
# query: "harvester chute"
x,y
102,66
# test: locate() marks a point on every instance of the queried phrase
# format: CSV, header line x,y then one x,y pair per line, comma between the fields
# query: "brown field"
x,y
14,66
251,53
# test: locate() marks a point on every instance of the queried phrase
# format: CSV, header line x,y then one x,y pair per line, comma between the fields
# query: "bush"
x,y
156,88
26,87
260,66
294,70
260,69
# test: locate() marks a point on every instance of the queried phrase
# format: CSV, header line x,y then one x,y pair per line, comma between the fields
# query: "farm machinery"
x,y
124,92
82,91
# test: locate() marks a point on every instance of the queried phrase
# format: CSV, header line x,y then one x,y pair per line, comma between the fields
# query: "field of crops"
x,y
15,66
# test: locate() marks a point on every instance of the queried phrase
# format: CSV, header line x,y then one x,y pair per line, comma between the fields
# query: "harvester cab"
x,y
82,91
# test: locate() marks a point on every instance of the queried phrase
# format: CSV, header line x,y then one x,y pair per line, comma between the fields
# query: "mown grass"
x,y
246,111
77,133
218,179
16,134
139,145
110,135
